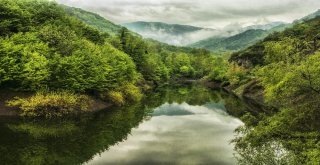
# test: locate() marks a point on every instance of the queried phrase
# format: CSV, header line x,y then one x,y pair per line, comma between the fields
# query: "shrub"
x,y
122,95
236,74
132,92
116,97
52,104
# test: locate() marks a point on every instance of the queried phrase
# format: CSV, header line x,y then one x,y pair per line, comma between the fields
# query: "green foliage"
x,y
180,65
60,38
233,43
94,20
39,131
52,104
60,52
155,70
289,73
236,75
300,40
116,97
54,47
131,92
219,68
285,131
292,84
23,61
280,51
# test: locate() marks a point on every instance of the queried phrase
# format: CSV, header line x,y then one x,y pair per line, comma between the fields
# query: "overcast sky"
x,y
204,13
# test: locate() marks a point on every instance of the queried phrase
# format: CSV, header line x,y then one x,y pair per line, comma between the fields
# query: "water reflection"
x,y
177,134
177,125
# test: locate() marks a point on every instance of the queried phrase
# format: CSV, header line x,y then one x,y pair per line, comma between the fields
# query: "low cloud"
x,y
210,13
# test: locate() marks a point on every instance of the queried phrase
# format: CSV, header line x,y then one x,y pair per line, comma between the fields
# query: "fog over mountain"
x,y
183,22
210,13
182,35
173,34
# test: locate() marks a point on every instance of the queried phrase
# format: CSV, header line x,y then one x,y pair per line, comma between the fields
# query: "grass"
x,y
52,104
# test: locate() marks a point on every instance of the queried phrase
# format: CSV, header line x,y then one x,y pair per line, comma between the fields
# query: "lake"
x,y
171,125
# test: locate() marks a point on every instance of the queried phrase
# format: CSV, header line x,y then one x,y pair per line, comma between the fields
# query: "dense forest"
x,y
65,59
286,66
64,56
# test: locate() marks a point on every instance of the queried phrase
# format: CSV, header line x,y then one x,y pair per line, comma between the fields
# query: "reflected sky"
x,y
177,134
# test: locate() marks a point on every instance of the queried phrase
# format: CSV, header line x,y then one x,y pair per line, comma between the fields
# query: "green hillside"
x,y
248,37
69,54
93,20
284,70
233,43
308,17
302,34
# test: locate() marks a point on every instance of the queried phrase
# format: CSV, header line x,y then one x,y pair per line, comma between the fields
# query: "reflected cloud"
x,y
177,134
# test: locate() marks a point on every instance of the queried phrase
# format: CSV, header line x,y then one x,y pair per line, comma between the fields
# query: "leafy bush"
x,y
236,74
116,97
131,92
23,61
52,104
122,95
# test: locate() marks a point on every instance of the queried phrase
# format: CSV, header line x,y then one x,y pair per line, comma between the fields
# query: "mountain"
x,y
93,20
304,35
173,34
248,37
233,43
308,17
265,26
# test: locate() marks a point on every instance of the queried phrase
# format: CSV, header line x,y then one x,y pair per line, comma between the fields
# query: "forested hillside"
x,y
62,51
287,68
233,43
93,20
62,61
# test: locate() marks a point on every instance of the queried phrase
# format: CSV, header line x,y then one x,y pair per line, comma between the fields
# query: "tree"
x,y
23,61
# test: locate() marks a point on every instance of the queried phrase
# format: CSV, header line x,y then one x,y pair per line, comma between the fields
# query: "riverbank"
x,y
249,93
8,95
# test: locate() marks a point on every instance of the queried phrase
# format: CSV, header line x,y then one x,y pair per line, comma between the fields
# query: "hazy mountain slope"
x,y
93,20
265,26
308,17
104,25
174,29
306,36
233,43
170,33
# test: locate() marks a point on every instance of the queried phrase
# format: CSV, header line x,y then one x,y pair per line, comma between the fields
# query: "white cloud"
x,y
209,13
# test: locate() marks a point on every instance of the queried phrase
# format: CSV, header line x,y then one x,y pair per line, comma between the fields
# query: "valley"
x,y
78,88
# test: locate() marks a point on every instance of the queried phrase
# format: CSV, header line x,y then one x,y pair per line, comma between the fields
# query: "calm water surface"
x,y
176,125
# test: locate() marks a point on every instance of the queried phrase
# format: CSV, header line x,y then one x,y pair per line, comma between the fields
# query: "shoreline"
x,y
98,104
6,111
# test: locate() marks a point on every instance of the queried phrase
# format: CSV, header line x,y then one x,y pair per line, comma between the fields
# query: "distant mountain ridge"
x,y
169,28
186,35
192,36
93,20
267,26
232,43
173,34
248,37
308,17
